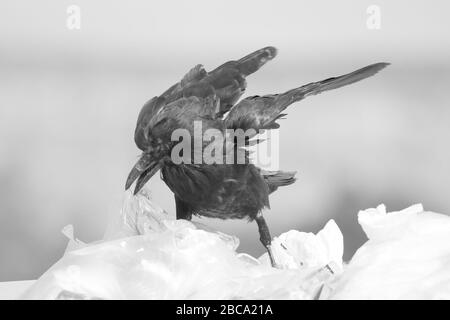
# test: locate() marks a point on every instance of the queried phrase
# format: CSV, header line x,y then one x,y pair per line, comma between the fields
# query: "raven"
x,y
221,189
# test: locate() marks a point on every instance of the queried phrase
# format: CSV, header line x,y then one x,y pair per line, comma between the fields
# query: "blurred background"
x,y
70,99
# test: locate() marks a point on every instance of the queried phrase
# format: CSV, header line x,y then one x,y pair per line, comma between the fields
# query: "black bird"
x,y
220,190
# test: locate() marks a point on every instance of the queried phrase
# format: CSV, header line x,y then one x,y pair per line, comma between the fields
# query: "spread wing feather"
x,y
261,112
217,91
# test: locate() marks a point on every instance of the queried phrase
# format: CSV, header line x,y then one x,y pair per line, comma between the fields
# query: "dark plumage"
x,y
225,191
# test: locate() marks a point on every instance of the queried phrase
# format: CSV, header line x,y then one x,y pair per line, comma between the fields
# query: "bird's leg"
x,y
264,236
183,209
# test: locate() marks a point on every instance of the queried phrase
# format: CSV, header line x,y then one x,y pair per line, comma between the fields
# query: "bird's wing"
x,y
185,111
221,88
186,114
227,81
193,77
261,112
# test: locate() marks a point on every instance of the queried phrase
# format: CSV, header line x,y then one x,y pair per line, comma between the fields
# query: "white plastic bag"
x,y
407,257
147,255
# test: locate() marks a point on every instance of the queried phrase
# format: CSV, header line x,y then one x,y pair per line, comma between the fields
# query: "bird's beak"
x,y
143,170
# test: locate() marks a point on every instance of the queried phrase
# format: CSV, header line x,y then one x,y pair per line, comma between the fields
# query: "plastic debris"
x,y
407,257
147,255
295,249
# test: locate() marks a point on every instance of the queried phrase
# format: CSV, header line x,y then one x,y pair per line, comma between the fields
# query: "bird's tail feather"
x,y
252,62
314,88
277,179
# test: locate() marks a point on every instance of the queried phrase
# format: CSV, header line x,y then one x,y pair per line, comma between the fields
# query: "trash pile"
x,y
407,257
147,255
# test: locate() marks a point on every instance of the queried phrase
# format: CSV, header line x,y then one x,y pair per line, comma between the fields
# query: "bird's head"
x,y
153,141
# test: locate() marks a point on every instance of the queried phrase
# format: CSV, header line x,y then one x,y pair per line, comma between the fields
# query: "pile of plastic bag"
x,y
407,257
147,255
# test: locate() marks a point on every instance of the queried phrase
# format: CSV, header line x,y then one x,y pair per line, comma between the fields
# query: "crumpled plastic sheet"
x,y
148,255
407,257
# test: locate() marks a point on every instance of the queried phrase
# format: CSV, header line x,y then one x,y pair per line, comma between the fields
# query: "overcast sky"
x,y
308,30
